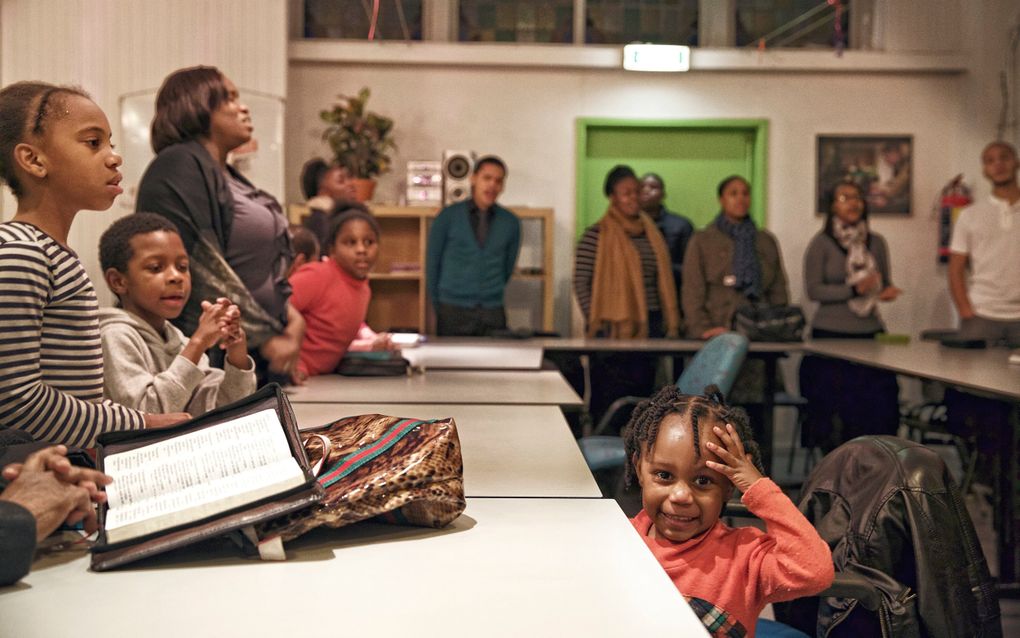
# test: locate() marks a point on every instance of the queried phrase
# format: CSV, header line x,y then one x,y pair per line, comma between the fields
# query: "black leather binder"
x,y
106,555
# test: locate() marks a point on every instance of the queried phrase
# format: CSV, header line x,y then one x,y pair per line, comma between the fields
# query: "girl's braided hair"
x,y
641,431
25,109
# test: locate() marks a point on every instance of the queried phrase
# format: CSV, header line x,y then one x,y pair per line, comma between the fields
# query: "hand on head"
x,y
54,491
737,465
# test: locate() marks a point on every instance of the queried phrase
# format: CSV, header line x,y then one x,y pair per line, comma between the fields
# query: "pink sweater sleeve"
x,y
793,560
364,340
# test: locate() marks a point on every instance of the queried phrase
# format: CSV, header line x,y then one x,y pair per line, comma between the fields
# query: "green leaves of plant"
x,y
360,139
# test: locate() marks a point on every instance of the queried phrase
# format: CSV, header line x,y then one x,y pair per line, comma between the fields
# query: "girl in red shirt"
x,y
333,294
688,453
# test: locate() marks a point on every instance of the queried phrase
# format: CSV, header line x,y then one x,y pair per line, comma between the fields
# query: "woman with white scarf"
x,y
846,271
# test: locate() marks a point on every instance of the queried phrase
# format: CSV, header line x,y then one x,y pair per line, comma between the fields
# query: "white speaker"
x,y
457,167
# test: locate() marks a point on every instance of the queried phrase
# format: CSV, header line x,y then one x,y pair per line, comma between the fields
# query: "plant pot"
x,y
363,188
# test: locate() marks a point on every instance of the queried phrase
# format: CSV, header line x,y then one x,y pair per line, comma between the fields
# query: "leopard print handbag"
x,y
397,470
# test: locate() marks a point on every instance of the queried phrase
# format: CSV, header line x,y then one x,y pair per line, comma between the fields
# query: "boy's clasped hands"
x,y
219,324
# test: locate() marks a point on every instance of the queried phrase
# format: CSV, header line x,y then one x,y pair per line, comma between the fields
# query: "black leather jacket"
x,y
891,513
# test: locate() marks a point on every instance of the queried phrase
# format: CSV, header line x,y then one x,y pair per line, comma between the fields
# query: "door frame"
x,y
759,159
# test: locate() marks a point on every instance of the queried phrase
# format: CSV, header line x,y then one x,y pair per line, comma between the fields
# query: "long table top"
x,y
474,354
585,345
653,346
507,567
509,387
984,371
511,450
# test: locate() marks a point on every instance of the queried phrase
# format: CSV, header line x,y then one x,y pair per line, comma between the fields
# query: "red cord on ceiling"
x,y
375,19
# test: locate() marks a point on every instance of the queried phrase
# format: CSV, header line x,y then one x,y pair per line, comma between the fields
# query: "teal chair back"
x,y
717,363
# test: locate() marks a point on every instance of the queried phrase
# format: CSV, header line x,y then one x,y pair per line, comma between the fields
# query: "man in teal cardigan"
x,y
472,249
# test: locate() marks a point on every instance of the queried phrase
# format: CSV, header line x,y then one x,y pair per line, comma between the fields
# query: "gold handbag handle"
x,y
327,447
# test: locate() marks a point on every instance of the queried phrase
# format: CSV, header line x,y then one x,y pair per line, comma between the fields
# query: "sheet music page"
x,y
199,474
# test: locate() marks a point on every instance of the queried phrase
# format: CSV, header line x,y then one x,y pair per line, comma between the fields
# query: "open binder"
x,y
229,469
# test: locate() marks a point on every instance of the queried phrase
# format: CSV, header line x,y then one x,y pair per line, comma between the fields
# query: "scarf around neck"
x,y
746,268
860,263
618,290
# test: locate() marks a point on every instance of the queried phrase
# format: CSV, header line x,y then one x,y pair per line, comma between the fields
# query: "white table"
x,y
508,567
984,372
519,450
475,354
533,387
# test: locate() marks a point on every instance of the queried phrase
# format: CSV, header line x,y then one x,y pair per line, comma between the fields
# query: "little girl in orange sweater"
x,y
688,453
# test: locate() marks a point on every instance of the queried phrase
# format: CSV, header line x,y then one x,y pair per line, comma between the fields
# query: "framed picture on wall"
x,y
882,165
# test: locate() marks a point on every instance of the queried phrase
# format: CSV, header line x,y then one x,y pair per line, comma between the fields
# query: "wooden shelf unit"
x,y
399,298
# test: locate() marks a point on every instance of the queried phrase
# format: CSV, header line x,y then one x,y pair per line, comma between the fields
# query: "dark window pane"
x,y
351,19
516,21
656,21
791,23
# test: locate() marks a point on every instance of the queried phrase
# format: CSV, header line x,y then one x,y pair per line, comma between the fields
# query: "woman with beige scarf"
x,y
623,279
623,276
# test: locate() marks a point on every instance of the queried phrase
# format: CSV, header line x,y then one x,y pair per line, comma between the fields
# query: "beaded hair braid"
x,y
643,428
25,108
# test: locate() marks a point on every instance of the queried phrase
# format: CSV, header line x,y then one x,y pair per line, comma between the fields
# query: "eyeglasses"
x,y
842,199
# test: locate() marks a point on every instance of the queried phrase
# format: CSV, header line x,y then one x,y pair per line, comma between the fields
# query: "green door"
x,y
692,156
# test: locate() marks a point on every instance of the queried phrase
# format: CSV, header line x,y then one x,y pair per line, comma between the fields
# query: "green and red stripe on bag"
x,y
399,470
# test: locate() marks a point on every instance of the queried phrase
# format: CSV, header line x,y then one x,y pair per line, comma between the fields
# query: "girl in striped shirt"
x,y
57,159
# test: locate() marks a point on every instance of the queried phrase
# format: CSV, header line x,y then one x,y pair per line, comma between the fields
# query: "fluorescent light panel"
x,y
663,58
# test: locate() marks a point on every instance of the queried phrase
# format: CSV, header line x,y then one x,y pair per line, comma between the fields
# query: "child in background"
x,y
333,294
150,364
688,453
57,158
305,246
325,186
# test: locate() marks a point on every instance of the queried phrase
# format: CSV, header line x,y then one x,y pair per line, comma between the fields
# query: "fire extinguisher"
x,y
954,198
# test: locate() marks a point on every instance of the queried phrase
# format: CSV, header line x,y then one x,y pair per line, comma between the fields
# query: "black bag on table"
x,y
761,322
373,364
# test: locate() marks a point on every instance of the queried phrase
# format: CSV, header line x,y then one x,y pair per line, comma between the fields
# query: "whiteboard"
x,y
263,166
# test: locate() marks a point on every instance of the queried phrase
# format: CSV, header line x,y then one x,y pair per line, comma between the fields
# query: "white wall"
x,y
114,47
528,116
985,31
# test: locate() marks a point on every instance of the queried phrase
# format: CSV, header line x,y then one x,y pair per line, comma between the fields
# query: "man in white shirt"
x,y
986,238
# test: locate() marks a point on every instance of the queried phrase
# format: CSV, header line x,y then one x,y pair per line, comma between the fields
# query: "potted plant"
x,y
360,139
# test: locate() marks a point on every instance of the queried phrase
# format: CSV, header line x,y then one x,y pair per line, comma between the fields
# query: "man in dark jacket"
x,y
676,229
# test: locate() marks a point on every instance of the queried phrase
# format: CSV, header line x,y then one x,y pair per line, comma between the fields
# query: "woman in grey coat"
x,y
846,270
